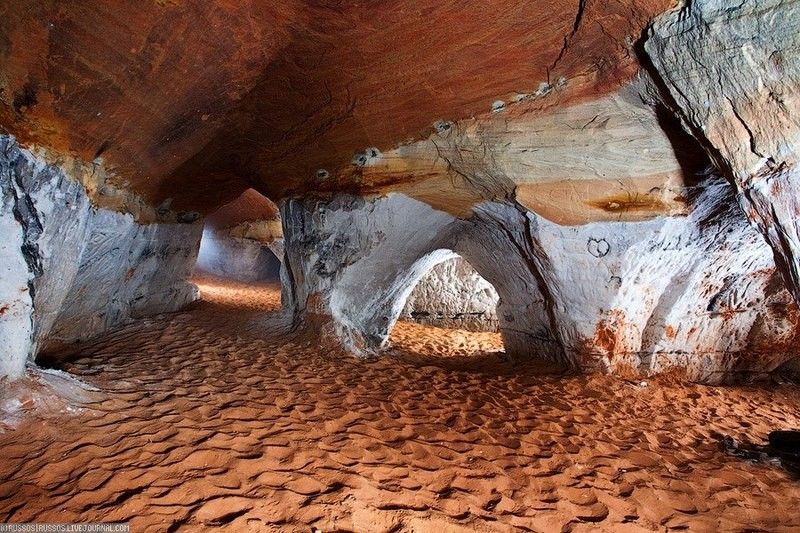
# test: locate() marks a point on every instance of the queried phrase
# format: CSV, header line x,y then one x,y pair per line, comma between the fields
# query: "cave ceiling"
x,y
199,100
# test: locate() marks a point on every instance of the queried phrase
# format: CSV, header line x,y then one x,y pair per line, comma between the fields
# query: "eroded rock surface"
x,y
453,295
624,175
732,74
194,100
697,294
70,270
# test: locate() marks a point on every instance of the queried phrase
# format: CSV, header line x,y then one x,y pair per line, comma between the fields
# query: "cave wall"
x,y
697,294
631,196
732,75
650,229
71,271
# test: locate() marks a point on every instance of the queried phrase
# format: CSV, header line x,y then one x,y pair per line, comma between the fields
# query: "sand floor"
x,y
217,418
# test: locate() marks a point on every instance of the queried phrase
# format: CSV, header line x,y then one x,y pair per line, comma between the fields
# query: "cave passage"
x,y
239,241
222,417
457,308
236,259
431,266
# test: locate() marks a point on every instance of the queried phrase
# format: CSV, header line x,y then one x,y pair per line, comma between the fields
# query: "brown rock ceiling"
x,y
250,206
197,100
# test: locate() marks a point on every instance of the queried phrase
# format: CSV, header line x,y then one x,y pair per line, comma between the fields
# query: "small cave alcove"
x,y
241,241
238,259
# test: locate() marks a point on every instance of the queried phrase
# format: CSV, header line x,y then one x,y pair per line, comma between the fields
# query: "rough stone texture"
x,y
16,326
732,73
699,294
524,137
330,263
453,295
240,259
127,270
71,271
277,248
617,157
275,91
696,294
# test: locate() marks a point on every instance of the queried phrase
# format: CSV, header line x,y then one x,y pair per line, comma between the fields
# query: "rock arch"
x,y
696,294
241,240
452,294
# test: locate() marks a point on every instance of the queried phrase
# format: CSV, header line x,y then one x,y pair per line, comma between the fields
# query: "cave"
x,y
448,316
242,241
400,266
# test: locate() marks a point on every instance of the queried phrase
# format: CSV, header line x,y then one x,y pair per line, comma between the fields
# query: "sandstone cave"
x,y
400,266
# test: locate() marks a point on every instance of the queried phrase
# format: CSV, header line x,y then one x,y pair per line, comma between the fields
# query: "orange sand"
x,y
219,417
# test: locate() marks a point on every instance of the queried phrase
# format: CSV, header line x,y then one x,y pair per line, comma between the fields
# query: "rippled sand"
x,y
218,417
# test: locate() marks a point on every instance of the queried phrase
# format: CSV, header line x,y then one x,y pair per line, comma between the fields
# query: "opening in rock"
x,y
451,312
239,259
235,258
241,241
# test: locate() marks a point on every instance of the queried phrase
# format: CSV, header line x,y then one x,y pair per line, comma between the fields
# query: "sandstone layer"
x,y
622,176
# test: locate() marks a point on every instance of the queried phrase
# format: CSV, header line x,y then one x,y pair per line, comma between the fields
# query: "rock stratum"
x,y
619,179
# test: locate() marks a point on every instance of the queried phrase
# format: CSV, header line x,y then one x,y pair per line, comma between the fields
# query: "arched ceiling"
x,y
196,100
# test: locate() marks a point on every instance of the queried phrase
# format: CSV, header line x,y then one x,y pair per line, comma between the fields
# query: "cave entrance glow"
x,y
238,259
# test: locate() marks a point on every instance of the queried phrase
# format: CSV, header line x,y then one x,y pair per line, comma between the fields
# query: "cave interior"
x,y
405,265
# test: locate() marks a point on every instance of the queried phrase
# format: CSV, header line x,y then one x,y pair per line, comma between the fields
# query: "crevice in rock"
x,y
536,259
746,127
26,214
664,94
567,38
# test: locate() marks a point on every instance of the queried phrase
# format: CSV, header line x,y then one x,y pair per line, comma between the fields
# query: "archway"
x,y
239,241
449,315
239,259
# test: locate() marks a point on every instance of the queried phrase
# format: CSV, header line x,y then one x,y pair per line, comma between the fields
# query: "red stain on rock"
x,y
607,333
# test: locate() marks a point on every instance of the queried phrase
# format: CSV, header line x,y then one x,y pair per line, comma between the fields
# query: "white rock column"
x,y
16,307
353,261
731,72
